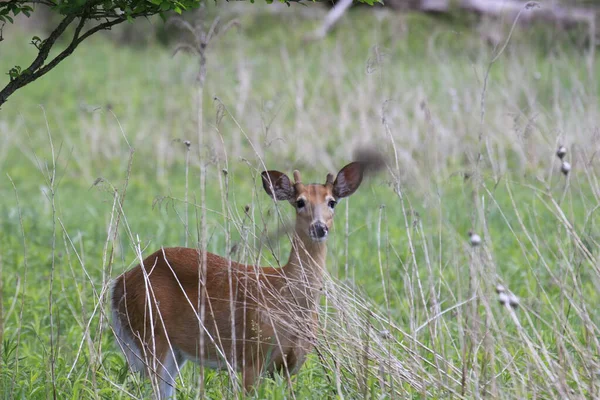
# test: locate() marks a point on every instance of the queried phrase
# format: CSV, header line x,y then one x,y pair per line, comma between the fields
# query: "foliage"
x,y
98,9
98,15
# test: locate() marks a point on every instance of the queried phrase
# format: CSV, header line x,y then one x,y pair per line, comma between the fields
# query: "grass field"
x,y
410,308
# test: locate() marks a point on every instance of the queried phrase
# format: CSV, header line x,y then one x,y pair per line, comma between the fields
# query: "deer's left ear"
x,y
348,180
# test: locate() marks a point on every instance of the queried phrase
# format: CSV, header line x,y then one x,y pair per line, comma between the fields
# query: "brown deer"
x,y
180,304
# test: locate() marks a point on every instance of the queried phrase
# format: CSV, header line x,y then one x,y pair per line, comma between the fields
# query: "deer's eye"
x,y
332,204
300,203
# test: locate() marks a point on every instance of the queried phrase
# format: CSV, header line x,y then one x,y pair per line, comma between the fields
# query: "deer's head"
x,y
314,203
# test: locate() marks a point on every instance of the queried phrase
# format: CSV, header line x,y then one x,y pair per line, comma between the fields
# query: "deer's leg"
x,y
253,367
163,367
287,366
250,375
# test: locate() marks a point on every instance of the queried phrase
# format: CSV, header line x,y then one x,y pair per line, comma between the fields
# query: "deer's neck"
x,y
305,268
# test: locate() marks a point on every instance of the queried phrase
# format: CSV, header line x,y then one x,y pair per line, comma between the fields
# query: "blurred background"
x,y
418,65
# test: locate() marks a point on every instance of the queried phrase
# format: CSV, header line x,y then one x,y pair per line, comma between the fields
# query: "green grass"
x,y
409,85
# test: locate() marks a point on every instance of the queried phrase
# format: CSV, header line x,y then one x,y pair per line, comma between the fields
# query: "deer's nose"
x,y
318,231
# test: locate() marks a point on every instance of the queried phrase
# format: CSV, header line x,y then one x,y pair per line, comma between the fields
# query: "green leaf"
x,y
14,72
140,8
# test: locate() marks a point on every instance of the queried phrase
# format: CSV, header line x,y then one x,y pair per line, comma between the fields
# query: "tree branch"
x,y
27,76
79,28
37,68
105,26
64,54
47,46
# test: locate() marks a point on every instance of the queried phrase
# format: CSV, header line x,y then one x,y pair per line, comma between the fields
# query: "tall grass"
x,y
410,308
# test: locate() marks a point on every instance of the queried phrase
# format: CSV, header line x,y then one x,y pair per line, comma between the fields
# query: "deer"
x,y
183,304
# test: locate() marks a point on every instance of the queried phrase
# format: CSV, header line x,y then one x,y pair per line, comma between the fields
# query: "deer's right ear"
x,y
278,185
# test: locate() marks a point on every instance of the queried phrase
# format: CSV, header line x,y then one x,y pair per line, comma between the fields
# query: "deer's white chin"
x,y
318,239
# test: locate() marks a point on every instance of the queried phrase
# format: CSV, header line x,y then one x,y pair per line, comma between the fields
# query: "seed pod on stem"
x,y
503,298
474,239
513,301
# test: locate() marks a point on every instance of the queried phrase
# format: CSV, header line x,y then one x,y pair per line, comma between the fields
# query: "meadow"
x,y
96,171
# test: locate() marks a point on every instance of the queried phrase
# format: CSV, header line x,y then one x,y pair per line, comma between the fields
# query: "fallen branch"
x,y
503,8
331,19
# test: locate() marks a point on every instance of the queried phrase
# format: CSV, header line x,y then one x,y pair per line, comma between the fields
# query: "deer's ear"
x,y
278,185
348,180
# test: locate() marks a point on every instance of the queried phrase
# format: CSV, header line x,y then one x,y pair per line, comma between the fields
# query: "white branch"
x,y
331,18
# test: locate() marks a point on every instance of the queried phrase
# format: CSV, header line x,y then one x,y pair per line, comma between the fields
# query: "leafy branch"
x,y
100,14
